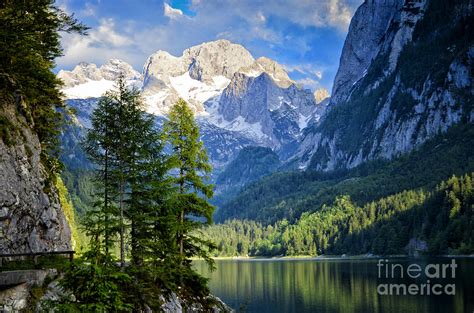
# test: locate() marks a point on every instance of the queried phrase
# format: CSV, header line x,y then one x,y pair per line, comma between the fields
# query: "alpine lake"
x,y
349,285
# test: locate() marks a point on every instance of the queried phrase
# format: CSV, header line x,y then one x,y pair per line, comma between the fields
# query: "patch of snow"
x,y
183,85
303,121
192,90
155,103
90,89
253,73
95,88
281,99
240,125
273,77
220,82
212,115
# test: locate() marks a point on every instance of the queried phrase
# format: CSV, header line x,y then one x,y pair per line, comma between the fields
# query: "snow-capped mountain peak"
x,y
87,80
199,74
238,100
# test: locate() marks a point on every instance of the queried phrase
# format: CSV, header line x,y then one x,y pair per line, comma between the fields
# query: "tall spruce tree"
x,y
101,222
126,147
190,169
130,174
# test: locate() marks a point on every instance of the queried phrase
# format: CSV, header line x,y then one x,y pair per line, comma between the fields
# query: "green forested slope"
x,y
439,219
288,195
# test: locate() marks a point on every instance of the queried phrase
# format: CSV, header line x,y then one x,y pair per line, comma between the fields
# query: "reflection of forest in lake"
x,y
328,286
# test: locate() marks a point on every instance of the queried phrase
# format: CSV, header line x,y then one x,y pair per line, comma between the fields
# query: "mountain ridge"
x,y
223,84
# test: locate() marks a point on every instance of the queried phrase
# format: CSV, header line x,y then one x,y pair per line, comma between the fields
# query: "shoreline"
x,y
333,257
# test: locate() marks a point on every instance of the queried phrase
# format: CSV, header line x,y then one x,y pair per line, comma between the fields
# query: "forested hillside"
x,y
437,220
288,195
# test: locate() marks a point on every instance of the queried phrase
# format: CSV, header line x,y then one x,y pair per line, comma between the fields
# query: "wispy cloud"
x,y
329,13
308,69
89,10
309,83
171,12
103,42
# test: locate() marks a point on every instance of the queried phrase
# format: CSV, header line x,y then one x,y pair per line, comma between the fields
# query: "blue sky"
x,y
305,36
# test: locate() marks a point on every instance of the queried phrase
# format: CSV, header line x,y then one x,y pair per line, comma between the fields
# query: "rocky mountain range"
x,y
238,100
389,94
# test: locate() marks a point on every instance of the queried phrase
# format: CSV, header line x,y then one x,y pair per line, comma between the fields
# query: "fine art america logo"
x,y
424,280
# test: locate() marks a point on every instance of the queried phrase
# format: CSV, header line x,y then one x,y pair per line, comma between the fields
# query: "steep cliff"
x,y
31,217
402,79
367,30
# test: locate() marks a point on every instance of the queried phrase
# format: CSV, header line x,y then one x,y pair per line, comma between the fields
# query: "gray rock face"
x,y
271,68
173,304
221,145
215,58
403,112
31,219
278,114
367,30
17,298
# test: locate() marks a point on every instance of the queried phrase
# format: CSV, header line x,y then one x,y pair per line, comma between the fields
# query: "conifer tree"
x,y
190,168
127,147
102,221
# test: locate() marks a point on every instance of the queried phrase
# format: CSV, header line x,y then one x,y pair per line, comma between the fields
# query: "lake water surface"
x,y
336,285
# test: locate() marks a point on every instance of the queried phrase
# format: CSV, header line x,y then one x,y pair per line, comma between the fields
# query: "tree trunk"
x,y
122,228
181,243
181,218
106,203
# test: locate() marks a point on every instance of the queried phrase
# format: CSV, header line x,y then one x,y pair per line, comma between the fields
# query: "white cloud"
x,y
308,69
339,14
245,22
329,13
171,12
309,75
102,43
106,34
89,10
261,17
